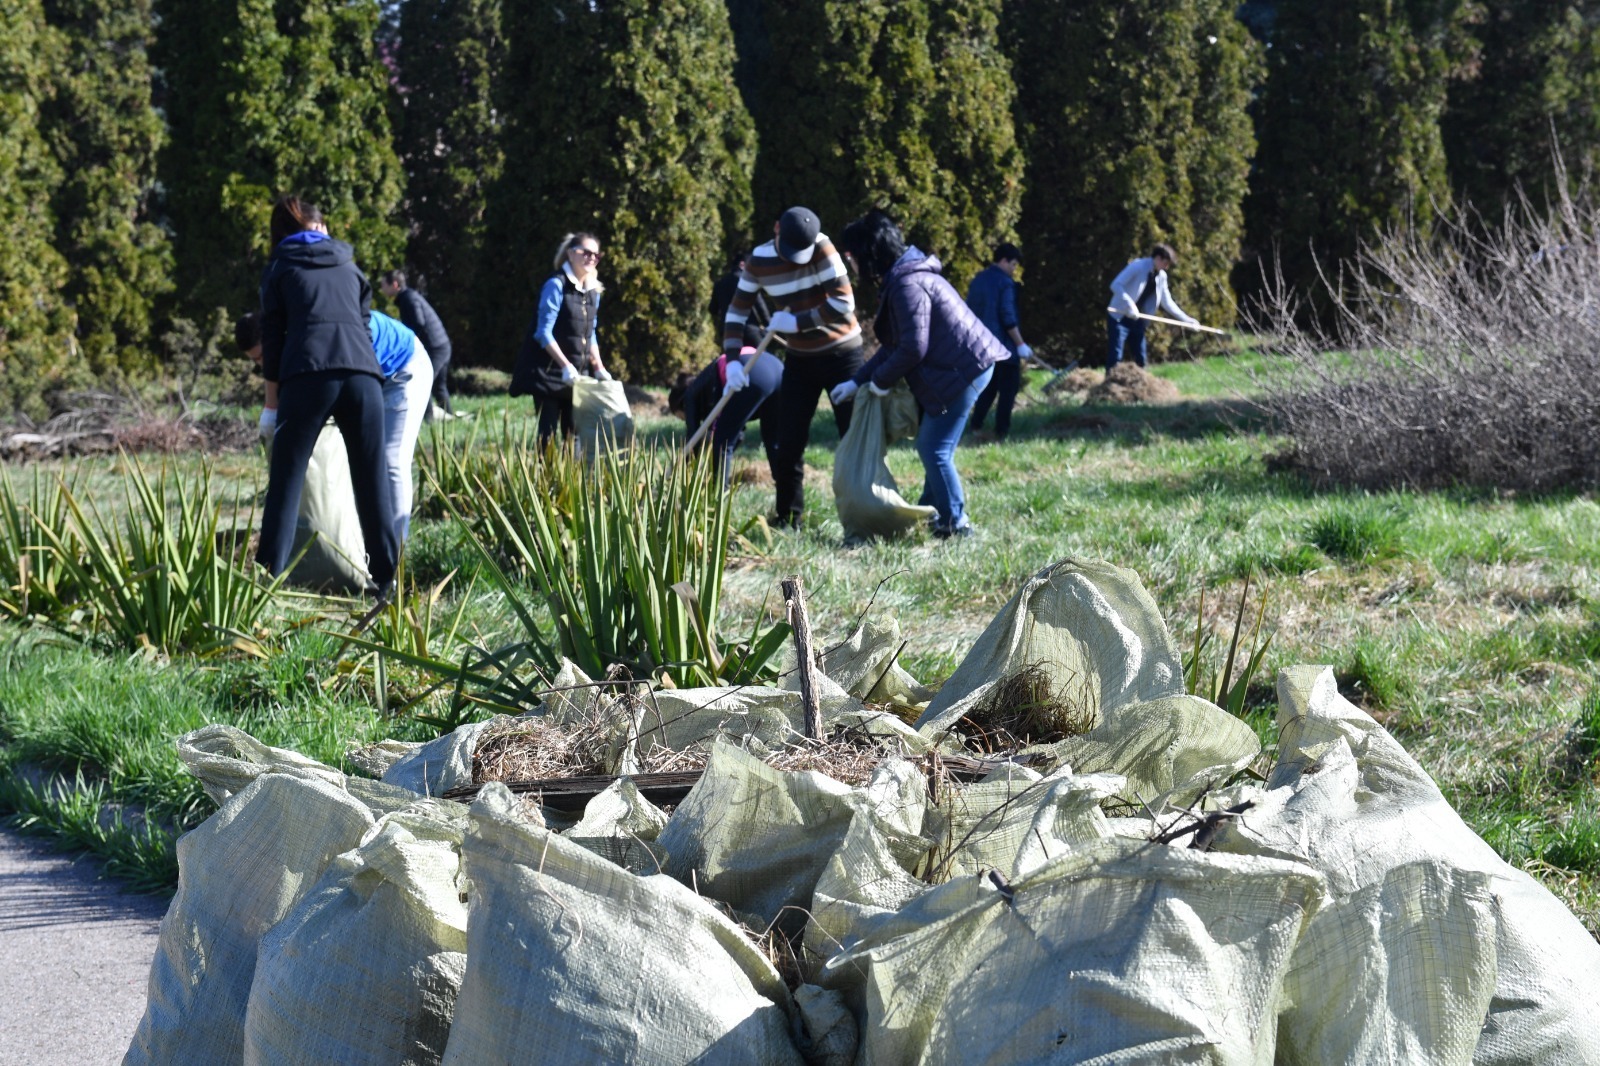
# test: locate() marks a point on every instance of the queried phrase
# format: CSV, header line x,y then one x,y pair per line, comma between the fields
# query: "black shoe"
x,y
966,529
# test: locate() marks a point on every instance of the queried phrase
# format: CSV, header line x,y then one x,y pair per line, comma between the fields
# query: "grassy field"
x,y
1468,624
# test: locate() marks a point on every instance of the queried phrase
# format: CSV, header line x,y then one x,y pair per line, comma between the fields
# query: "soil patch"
x,y
1079,380
1129,383
643,401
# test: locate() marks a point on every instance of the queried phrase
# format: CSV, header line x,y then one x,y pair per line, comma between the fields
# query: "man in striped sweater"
x,y
801,276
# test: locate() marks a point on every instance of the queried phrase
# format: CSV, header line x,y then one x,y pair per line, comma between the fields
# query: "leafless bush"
x,y
1468,357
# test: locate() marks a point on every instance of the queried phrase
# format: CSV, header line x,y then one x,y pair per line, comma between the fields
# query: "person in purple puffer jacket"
x,y
932,339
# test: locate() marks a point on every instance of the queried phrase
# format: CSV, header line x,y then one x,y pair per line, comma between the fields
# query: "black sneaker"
x,y
966,529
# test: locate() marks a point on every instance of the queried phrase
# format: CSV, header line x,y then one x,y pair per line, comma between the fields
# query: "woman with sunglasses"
x,y
561,341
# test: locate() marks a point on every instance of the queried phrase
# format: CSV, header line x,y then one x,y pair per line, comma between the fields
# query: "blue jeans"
x,y
1119,334
936,444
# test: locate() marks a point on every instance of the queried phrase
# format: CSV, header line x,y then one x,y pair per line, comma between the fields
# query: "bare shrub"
x,y
1469,357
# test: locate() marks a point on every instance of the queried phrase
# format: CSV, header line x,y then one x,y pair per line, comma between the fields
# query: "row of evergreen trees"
x,y
141,143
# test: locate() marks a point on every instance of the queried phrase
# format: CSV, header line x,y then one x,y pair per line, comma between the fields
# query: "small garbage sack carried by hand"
x,y
601,415
864,491
336,560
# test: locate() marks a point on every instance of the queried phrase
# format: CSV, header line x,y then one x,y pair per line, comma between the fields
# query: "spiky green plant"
x,y
34,582
163,576
1227,687
629,551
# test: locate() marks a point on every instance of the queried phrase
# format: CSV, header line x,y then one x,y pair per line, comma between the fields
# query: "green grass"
x,y
1469,624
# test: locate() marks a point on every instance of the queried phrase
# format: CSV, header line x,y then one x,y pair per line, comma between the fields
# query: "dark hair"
x,y
1007,250
1164,251
874,242
679,391
291,215
395,277
247,331
736,262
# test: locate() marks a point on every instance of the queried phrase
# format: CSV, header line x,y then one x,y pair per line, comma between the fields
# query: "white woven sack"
x,y
757,838
864,491
1096,632
433,768
226,759
1121,952
337,560
366,969
1431,948
239,873
572,959
601,416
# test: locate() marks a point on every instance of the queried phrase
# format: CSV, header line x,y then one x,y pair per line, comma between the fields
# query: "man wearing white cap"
x,y
803,277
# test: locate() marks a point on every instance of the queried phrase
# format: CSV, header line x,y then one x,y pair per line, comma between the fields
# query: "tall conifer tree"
x,y
269,97
36,348
904,105
1349,128
451,51
1142,136
621,118
105,132
1536,87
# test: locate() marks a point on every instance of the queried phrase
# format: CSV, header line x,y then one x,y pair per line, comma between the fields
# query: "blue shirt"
x,y
993,298
393,342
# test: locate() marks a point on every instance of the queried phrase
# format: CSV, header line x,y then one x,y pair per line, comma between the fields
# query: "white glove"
x,y
268,423
737,378
783,322
602,374
843,392
1024,352
872,386
568,375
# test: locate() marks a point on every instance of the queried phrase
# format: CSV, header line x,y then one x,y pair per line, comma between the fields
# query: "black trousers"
x,y
355,401
441,387
555,413
805,379
1003,386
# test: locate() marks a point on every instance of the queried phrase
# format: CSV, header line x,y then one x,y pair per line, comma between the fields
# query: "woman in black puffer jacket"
x,y
315,346
930,337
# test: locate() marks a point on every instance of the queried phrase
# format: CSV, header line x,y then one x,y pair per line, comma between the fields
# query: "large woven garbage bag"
x,y
601,416
1122,951
239,873
572,959
336,560
1431,947
226,759
366,969
757,838
867,664
864,491
1099,639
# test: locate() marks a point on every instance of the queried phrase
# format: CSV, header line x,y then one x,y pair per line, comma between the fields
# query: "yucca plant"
x,y
412,629
1228,687
451,465
157,577
34,580
629,550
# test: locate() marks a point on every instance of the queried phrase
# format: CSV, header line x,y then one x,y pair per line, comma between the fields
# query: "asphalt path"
x,y
75,951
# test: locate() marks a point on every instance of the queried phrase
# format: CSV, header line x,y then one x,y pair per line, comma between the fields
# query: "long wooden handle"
x,y
711,418
1168,321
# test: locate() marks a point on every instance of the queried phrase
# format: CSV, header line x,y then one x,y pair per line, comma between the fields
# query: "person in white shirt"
x,y
1141,288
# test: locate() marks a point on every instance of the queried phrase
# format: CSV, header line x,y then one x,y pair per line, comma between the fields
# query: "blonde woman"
x,y
561,341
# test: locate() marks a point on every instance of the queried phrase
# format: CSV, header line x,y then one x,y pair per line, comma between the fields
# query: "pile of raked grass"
x,y
1059,855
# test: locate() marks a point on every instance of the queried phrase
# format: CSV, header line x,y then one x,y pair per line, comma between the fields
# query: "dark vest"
x,y
535,372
